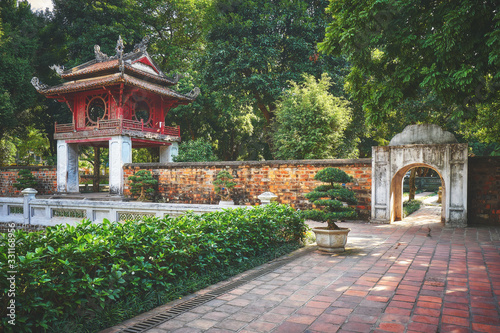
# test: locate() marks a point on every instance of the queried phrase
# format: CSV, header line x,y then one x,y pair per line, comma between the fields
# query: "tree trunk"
x,y
266,112
413,188
97,169
142,197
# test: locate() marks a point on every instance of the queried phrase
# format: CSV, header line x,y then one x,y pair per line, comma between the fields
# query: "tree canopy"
x,y
409,50
310,122
254,48
397,62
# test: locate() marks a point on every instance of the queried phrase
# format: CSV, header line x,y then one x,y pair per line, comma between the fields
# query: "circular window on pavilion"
x,y
142,112
96,110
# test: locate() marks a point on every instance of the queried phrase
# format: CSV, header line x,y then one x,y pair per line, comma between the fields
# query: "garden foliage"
x,y
142,183
330,198
25,180
196,151
310,122
71,274
223,185
411,206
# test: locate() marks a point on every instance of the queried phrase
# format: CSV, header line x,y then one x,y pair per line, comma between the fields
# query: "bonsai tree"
x,y
25,180
142,182
223,185
330,198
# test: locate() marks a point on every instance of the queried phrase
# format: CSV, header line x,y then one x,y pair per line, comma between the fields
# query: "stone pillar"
x,y
381,181
67,167
29,194
167,153
456,197
120,152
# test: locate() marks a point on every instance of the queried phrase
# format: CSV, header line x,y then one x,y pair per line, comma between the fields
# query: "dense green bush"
x,y
195,151
74,273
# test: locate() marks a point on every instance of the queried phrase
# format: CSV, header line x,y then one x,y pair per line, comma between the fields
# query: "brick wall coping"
x,y
29,167
483,159
236,164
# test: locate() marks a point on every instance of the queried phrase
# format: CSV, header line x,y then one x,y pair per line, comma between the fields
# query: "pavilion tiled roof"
x,y
93,68
113,79
134,69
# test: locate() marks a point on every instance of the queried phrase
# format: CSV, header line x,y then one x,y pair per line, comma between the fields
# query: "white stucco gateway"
x,y
420,146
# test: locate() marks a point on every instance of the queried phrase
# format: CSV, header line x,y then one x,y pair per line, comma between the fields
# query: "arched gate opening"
x,y
420,145
397,191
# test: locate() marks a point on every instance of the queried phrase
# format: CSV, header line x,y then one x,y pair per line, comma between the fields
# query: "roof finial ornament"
x,y
119,46
193,93
176,78
37,84
119,53
59,69
99,56
142,46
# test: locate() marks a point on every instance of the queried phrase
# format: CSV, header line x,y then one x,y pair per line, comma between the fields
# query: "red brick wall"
x,y
484,190
289,180
46,177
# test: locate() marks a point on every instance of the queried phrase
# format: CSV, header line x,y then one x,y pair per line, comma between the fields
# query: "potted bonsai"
x,y
25,180
223,185
331,201
142,183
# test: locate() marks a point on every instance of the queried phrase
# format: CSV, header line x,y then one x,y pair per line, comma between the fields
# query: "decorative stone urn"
x,y
331,240
267,197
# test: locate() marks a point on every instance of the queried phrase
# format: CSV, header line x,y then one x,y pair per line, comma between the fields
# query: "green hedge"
x,y
67,273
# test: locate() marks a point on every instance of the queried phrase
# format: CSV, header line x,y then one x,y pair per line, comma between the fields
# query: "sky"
x,y
40,4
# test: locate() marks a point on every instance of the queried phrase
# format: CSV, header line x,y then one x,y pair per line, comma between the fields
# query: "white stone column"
x,y
120,152
381,184
29,194
67,167
167,153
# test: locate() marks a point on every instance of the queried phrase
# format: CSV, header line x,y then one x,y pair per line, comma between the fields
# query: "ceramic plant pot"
x,y
331,240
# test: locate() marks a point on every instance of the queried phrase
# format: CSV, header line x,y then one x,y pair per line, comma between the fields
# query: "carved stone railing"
x,y
62,211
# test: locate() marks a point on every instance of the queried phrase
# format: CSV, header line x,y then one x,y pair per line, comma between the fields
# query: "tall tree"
x,y
22,55
175,27
310,122
19,42
409,50
89,22
255,47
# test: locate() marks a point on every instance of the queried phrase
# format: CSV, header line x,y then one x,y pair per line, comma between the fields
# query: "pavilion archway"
x,y
420,145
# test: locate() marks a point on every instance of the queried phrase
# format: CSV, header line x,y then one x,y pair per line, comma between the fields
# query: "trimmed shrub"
x,y
71,274
223,185
330,198
25,180
141,183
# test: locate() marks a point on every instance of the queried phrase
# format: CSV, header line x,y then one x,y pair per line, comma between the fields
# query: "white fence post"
x,y
29,194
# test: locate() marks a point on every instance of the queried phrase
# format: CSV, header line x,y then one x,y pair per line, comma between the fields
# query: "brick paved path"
x,y
411,276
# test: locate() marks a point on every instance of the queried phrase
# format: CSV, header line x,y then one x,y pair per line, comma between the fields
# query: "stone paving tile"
x,y
410,276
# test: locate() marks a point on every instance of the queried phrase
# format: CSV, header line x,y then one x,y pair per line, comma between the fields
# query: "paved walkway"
x,y
411,276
